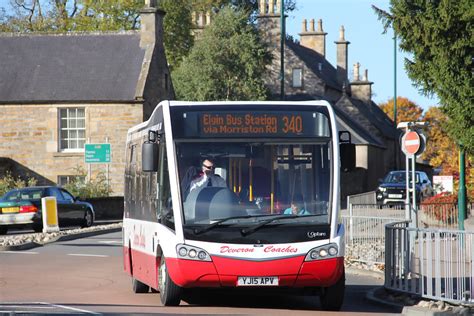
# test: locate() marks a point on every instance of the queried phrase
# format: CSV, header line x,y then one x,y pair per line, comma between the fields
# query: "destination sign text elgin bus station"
x,y
252,124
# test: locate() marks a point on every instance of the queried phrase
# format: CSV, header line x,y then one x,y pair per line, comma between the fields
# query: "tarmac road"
x,y
86,276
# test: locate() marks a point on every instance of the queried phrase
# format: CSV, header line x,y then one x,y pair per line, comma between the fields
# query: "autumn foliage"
x,y
441,151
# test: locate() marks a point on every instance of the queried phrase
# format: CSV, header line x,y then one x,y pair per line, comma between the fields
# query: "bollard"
x,y
49,212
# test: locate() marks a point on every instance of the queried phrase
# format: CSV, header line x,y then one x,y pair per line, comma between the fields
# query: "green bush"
x,y
9,182
94,187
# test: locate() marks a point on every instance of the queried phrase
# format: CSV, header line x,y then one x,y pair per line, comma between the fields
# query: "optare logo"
x,y
316,234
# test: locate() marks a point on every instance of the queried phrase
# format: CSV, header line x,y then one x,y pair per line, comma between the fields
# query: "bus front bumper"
x,y
221,272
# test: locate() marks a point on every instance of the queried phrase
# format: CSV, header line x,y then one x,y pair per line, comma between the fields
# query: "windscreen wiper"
x,y
198,231
251,229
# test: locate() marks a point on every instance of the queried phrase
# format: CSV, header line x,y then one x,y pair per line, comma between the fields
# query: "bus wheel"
x,y
139,287
169,292
332,297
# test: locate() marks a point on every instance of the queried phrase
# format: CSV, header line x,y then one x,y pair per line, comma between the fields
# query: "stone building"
x,y
309,75
60,91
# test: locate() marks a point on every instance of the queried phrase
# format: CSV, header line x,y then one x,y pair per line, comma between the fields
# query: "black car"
x,y
392,189
20,207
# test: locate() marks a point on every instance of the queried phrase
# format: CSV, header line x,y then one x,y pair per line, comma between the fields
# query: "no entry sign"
x,y
411,143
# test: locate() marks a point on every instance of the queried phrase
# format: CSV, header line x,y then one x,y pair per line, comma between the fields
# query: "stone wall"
x,y
29,136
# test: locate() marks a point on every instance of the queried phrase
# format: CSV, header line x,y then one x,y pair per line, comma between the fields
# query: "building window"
x,y
63,180
297,78
72,129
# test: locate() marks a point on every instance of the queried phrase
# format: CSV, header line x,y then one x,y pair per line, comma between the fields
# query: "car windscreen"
x,y
399,177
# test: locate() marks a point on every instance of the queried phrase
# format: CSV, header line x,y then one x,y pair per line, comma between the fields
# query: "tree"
x,y
440,147
227,63
407,110
71,15
177,26
439,35
441,150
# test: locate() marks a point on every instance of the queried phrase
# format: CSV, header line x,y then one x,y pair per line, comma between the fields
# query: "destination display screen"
x,y
221,124
218,124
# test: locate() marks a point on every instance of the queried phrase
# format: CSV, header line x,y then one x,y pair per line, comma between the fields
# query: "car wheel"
x,y
332,297
170,293
139,287
3,230
88,219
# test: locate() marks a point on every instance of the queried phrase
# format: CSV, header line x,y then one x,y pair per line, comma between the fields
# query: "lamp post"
x,y
394,77
462,188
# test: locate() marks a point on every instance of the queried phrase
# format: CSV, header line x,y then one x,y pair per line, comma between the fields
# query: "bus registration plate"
x,y
257,281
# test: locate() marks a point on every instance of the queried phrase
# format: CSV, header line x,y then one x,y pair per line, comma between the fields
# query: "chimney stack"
x,y
314,39
269,21
361,89
342,47
151,30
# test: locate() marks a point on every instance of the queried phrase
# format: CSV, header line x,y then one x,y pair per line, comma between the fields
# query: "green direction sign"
x,y
97,153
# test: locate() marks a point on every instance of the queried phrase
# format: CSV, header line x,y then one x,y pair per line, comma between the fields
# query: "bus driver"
x,y
207,178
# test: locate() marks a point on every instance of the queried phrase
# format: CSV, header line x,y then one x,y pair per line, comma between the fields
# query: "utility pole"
x,y
282,50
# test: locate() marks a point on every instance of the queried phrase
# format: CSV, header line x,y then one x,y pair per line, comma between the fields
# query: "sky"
x,y
368,46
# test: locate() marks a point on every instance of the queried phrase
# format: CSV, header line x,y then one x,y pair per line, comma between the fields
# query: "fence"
x,y
440,215
435,264
365,231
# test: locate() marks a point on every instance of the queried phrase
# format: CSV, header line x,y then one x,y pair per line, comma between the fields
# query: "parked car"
x,y
21,207
392,188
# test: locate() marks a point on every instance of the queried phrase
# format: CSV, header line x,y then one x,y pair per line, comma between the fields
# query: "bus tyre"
x,y
169,292
139,287
332,297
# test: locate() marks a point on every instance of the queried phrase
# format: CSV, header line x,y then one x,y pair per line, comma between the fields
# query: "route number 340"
x,y
292,124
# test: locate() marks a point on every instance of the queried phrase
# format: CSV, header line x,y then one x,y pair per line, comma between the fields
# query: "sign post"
x,y
412,144
98,153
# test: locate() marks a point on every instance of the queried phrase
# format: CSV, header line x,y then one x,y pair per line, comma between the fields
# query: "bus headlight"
x,y
322,252
192,253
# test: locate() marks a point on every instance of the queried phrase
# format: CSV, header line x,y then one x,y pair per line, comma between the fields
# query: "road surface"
x,y
86,276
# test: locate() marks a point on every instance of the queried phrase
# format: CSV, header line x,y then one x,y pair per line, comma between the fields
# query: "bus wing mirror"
x,y
347,151
150,153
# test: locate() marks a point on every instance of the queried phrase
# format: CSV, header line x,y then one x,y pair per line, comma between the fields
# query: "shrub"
x,y
443,197
9,182
94,187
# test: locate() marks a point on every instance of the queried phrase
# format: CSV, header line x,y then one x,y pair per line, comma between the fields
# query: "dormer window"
x,y
297,78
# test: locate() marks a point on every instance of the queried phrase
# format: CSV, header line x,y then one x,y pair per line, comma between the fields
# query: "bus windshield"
x,y
245,180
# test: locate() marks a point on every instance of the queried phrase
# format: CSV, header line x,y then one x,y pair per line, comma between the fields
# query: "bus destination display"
x,y
232,124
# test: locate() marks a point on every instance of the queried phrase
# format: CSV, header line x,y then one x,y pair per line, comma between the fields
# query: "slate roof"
x,y
360,136
324,70
373,114
70,67
313,60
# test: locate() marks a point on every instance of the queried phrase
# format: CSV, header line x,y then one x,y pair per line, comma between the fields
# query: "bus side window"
x,y
165,209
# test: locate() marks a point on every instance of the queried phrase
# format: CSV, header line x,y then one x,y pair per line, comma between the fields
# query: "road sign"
x,y
411,143
97,153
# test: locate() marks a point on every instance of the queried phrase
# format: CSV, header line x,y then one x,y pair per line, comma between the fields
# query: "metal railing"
x,y
440,215
431,263
362,198
365,231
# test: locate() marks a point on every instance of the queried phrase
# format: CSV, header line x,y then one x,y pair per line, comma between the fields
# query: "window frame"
x,y
301,81
68,129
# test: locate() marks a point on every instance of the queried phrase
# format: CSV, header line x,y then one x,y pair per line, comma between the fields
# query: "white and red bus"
x,y
242,234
